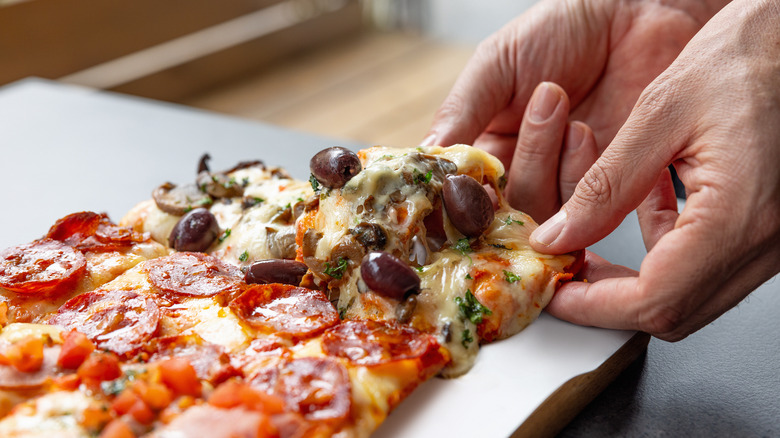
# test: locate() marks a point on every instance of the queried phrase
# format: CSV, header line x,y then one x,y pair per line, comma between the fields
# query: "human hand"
x,y
602,52
715,114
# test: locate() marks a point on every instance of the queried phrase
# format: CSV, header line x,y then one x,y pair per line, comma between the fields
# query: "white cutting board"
x,y
65,149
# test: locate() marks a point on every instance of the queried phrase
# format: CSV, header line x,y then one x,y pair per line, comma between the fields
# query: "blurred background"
x,y
373,71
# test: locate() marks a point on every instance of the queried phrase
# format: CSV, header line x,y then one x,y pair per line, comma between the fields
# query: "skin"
x,y
657,86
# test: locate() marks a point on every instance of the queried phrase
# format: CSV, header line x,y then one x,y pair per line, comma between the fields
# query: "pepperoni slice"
x,y
317,388
43,266
121,321
194,274
210,361
282,308
88,231
375,343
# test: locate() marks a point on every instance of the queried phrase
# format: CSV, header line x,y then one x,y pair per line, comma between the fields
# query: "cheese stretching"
x,y
472,290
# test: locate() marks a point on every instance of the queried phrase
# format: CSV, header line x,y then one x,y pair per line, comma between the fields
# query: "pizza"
x,y
249,303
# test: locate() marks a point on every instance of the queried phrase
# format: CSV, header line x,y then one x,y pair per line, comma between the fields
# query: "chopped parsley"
x,y
510,221
464,247
469,277
418,268
420,178
245,181
343,310
315,185
203,202
471,309
499,246
224,235
299,199
466,338
511,277
114,387
245,255
337,271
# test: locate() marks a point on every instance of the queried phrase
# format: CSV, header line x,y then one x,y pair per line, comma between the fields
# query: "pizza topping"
x,y
372,343
76,347
372,236
210,361
388,276
88,231
100,367
468,204
121,321
285,309
334,166
405,309
177,200
275,271
40,267
234,393
177,373
26,354
207,420
281,243
194,274
195,231
471,309
13,377
317,388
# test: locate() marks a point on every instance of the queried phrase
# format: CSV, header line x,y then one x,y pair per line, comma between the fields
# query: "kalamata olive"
x,y
195,231
388,276
468,204
275,271
333,167
371,236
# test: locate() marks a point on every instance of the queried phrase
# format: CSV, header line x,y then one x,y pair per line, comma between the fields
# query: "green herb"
x,y
245,181
343,310
419,148
114,387
337,271
464,247
224,235
230,183
499,246
418,268
471,309
511,277
289,205
245,255
315,185
469,277
300,199
510,221
466,338
420,178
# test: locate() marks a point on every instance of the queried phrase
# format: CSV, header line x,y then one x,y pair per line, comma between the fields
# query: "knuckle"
x,y
595,186
663,322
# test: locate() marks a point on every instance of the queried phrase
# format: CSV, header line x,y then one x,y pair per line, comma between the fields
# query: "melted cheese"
x,y
54,414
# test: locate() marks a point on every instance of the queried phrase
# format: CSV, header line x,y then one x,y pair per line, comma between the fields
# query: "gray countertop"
x,y
721,381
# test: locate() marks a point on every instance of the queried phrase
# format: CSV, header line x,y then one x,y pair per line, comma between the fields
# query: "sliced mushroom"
x,y
281,243
219,185
372,236
177,200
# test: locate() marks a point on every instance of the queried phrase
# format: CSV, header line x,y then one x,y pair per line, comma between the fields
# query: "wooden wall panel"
x,y
53,38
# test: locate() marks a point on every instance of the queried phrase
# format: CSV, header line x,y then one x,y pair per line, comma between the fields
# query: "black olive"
x,y
275,271
388,276
195,231
468,204
371,236
333,167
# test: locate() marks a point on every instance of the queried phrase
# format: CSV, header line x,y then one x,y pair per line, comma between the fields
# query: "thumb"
x,y
619,180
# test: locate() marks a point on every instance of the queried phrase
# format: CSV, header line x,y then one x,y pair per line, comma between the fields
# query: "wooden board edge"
x,y
570,398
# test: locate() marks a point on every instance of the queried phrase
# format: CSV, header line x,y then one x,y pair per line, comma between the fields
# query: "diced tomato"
x,y
177,374
124,401
233,393
155,395
117,429
75,349
99,367
3,314
141,412
68,382
93,418
26,355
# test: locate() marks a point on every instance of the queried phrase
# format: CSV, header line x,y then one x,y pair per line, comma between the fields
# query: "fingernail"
x,y
429,140
543,102
551,229
574,135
